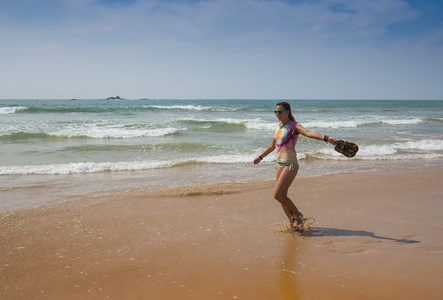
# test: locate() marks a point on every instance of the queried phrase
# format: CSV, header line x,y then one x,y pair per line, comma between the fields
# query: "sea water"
x,y
54,149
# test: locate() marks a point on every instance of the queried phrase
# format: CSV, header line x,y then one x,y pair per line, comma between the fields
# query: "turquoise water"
x,y
174,142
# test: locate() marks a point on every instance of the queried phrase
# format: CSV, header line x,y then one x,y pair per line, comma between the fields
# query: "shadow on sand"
x,y
324,232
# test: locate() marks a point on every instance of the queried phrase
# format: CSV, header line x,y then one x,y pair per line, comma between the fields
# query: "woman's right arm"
x,y
268,150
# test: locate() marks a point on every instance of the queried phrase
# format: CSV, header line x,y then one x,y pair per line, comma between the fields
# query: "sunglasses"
x,y
279,112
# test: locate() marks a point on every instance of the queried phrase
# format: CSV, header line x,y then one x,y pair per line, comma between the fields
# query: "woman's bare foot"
x,y
297,221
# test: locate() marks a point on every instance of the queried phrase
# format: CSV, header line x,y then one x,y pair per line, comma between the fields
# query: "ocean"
x,y
56,150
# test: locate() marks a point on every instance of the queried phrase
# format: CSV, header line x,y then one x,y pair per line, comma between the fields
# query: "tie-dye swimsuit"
x,y
285,145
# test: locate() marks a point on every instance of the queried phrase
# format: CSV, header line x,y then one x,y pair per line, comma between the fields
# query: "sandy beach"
x,y
376,235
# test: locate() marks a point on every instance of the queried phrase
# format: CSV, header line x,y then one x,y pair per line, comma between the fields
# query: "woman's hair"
x,y
287,106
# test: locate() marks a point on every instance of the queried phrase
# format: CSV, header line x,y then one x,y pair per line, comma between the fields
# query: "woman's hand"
x,y
257,160
332,140
268,150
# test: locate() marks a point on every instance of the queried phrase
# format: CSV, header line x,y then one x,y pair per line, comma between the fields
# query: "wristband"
x,y
326,138
260,157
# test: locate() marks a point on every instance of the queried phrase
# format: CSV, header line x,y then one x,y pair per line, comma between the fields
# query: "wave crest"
x,y
11,109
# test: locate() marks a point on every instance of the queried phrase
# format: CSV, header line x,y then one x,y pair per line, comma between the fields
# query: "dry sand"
x,y
376,235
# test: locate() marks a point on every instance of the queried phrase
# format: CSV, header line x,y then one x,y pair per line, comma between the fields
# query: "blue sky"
x,y
224,49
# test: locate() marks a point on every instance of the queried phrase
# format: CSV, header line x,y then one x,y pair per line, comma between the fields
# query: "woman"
x,y
285,138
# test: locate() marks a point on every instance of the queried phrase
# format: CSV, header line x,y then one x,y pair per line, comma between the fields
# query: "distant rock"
x,y
115,98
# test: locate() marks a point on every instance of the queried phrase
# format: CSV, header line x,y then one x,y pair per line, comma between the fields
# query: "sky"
x,y
221,49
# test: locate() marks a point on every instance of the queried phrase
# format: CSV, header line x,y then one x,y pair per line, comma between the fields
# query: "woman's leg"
x,y
284,179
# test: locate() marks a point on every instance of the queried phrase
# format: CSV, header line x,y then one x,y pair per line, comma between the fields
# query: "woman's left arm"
x,y
314,135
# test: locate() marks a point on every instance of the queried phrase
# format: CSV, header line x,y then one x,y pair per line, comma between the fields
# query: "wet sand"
x,y
376,235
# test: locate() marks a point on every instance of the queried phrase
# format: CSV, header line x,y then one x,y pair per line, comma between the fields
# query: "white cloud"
x,y
223,19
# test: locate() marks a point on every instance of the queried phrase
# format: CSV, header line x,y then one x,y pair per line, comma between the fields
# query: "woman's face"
x,y
282,114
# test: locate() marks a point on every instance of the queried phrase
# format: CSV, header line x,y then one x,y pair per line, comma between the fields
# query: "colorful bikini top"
x,y
285,143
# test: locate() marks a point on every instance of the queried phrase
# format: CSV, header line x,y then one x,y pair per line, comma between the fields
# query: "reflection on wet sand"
x,y
288,269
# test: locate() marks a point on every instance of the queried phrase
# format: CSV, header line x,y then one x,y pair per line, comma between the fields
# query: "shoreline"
x,y
28,191
376,235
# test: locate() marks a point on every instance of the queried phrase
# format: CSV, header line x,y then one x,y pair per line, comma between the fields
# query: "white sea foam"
x,y
259,124
366,152
192,107
360,122
229,120
375,150
334,124
256,124
117,133
184,107
83,167
92,167
395,151
11,109
226,159
402,121
432,145
402,156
